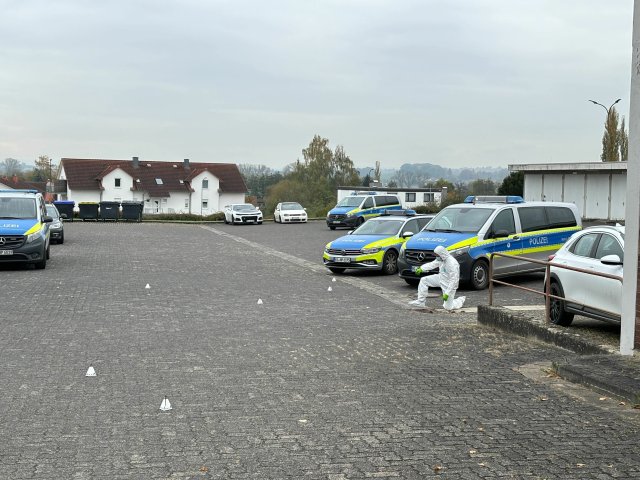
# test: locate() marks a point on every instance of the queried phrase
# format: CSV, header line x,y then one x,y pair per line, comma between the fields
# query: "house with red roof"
x,y
164,187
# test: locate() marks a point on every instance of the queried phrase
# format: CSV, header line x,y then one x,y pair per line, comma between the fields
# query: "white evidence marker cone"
x,y
147,286
259,301
91,372
165,406
333,279
329,289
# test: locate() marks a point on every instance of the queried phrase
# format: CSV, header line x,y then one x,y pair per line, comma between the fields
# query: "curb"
x,y
519,324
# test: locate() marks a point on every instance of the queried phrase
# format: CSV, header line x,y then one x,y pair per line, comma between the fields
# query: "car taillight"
x,y
551,257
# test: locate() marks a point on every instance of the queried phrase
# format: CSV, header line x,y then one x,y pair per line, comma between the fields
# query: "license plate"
x,y
342,259
413,269
6,252
336,221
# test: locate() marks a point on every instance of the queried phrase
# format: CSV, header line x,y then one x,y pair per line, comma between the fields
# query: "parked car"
x,y
242,213
290,212
56,229
599,249
355,209
480,226
375,244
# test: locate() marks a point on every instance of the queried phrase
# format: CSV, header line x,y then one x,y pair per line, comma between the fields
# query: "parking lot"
x,y
312,383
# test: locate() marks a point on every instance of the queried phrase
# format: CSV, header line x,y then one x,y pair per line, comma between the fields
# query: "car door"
x,y
502,237
606,293
367,206
276,213
577,285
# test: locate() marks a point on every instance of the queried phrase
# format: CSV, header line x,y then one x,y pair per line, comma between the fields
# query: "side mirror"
x,y
47,219
407,234
305,209
500,234
611,260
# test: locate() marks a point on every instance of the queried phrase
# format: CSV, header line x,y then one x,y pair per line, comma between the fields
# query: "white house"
x,y
409,197
164,187
598,189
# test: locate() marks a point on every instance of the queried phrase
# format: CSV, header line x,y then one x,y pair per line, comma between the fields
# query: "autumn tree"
x,y
610,142
259,178
623,142
44,169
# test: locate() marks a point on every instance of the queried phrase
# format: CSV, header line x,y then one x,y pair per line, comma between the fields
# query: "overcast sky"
x,y
452,82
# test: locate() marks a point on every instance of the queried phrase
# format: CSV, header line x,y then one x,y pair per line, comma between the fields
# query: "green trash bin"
x,y
132,210
88,211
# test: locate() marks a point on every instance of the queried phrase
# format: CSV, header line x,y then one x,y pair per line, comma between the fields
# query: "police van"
x,y
24,228
480,226
353,210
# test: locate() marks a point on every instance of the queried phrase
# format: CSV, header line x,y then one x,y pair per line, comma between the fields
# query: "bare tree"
x,y
10,167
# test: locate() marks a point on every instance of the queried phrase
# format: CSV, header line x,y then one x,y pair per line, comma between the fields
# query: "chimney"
x,y
185,163
135,162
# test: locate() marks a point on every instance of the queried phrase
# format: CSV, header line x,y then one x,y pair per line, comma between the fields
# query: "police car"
x,y
24,228
480,226
375,244
358,207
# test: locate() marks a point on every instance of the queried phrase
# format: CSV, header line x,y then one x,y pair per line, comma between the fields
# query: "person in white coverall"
x,y
447,279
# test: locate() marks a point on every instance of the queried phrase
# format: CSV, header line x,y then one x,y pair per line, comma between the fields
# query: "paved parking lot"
x,y
310,384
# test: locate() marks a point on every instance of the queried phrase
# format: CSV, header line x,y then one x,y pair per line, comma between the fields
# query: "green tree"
x,y
259,178
512,184
392,184
44,169
623,142
610,141
482,187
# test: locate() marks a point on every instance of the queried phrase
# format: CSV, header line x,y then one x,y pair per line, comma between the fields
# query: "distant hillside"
x,y
420,174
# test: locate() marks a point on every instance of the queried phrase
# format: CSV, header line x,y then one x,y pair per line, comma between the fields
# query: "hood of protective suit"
x,y
442,252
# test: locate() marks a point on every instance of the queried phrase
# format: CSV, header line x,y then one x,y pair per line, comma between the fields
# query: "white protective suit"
x,y
447,279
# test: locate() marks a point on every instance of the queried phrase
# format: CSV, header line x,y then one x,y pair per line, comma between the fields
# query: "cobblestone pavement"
x,y
311,384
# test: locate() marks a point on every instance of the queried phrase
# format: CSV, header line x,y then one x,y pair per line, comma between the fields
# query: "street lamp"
x,y
605,108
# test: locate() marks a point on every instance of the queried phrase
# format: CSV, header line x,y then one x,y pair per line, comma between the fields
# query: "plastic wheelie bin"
x,y
88,210
109,210
65,207
132,210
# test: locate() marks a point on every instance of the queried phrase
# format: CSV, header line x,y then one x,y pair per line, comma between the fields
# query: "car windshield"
x,y
379,227
350,202
17,208
291,206
459,219
244,208
52,211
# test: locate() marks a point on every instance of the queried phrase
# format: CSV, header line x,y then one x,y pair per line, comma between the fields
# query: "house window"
x,y
117,184
429,197
159,181
205,203
410,197
205,183
186,203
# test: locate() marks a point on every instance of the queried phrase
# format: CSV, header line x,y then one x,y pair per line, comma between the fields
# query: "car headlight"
x,y
56,225
368,251
350,214
32,237
458,252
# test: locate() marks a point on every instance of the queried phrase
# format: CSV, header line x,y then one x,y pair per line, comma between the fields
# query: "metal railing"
x,y
547,284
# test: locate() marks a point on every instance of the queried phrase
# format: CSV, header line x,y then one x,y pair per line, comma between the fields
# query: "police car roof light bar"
x,y
493,199
406,212
11,190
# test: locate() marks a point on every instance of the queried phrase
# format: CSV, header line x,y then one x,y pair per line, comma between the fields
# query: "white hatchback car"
x,y
600,249
289,212
242,213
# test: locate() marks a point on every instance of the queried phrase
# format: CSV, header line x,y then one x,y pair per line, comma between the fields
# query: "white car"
x,y
598,249
290,212
242,213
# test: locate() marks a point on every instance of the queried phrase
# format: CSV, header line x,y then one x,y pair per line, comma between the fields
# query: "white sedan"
x,y
242,213
597,249
290,212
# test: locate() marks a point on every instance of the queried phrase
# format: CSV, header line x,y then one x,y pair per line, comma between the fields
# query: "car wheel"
x,y
360,220
557,313
480,275
337,269
332,228
390,262
48,252
412,281
61,241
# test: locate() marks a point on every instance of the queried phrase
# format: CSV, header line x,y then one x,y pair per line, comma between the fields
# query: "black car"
x,y
56,228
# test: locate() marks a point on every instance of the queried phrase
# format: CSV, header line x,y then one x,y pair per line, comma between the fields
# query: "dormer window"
x,y
159,181
117,182
205,183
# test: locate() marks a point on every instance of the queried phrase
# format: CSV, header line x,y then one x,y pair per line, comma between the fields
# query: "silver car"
x,y
56,228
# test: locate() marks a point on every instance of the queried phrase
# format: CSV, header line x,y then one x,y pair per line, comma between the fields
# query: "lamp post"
x,y
608,110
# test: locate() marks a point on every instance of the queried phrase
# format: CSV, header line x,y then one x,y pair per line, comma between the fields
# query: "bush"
x,y
185,217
